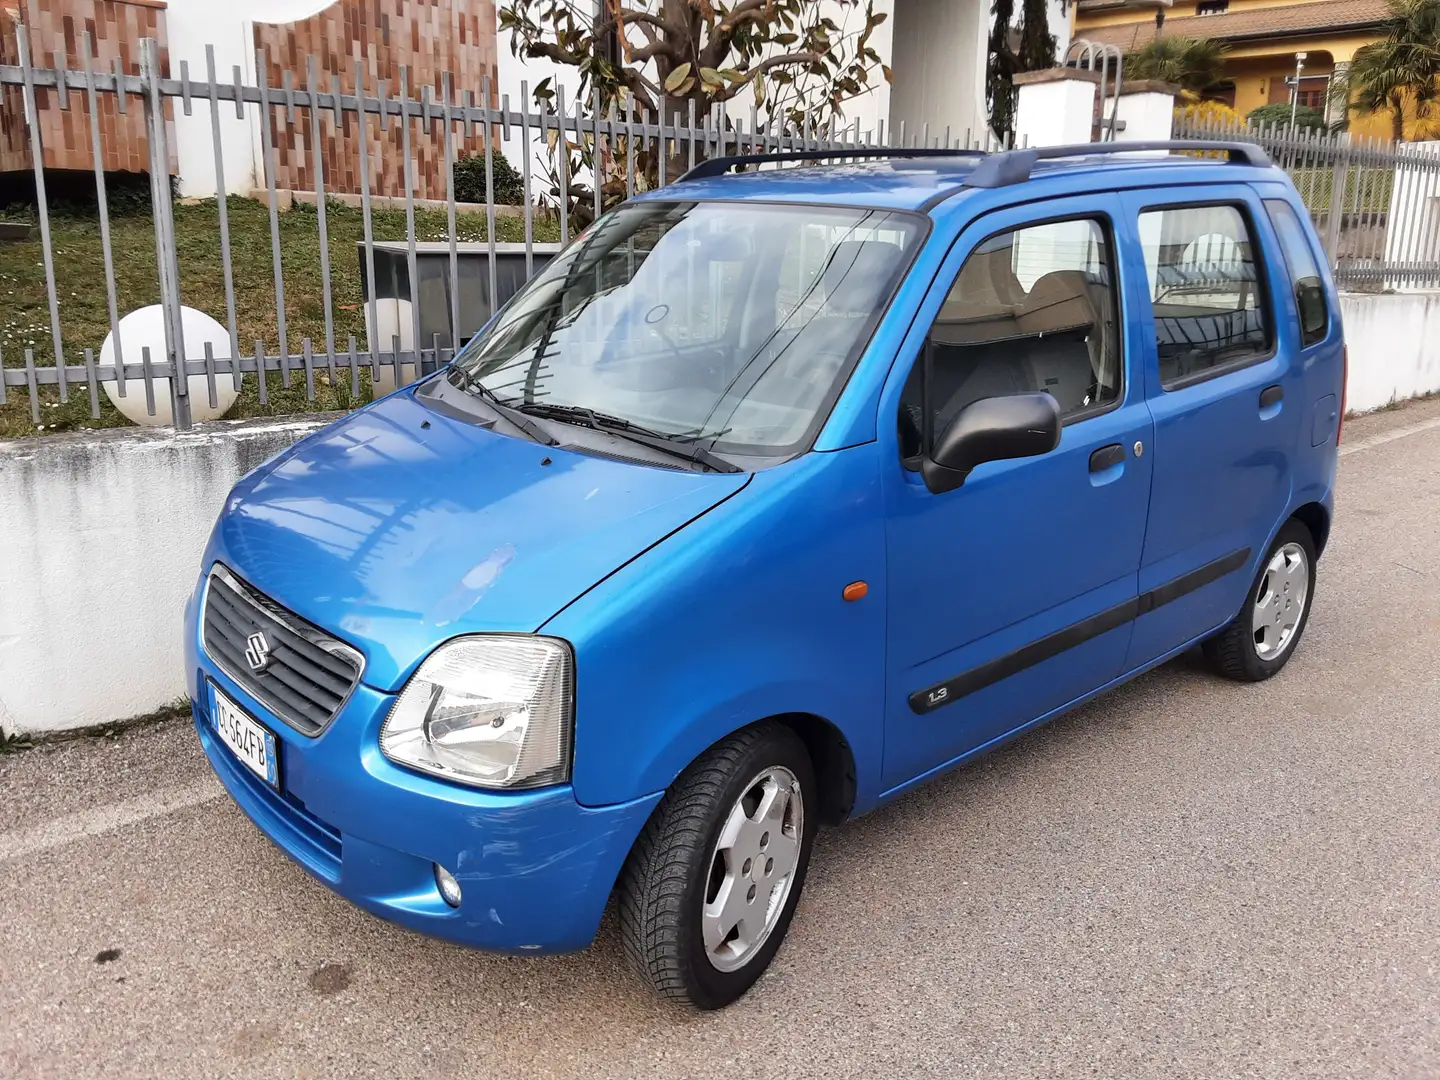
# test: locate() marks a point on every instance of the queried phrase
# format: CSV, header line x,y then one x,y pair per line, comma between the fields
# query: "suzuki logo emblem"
x,y
257,652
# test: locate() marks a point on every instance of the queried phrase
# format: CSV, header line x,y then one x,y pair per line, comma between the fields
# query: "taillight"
x,y
1344,386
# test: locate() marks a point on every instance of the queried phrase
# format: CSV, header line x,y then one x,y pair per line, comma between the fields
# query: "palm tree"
x,y
1191,63
1402,66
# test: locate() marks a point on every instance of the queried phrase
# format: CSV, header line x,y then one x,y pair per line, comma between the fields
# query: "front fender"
x,y
737,617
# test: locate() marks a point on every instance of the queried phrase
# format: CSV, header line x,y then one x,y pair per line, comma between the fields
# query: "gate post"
x,y
1146,111
1056,107
167,264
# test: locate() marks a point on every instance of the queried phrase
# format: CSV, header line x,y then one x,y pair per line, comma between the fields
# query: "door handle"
x,y
1107,457
1271,395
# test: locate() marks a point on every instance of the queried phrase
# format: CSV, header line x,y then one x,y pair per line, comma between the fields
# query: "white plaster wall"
x,y
1055,113
191,25
1414,218
1145,117
938,50
874,105
101,537
1060,16
1394,347
515,77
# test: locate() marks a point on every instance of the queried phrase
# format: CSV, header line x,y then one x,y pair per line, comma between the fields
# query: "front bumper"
x,y
535,868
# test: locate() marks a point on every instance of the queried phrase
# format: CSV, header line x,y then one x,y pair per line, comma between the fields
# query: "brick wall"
x,y
425,37
116,28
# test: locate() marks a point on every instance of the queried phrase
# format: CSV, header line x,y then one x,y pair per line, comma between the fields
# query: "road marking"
x,y
1389,436
99,820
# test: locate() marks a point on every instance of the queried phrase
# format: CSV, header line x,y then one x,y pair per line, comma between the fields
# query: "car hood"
x,y
400,527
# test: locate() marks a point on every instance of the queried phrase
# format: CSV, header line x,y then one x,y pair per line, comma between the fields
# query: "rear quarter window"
x,y
1306,284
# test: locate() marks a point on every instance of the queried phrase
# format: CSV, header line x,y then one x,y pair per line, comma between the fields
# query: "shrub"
x,y
470,180
1210,113
1278,114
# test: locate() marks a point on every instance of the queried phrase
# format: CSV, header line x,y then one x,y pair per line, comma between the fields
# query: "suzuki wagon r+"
x,y
773,496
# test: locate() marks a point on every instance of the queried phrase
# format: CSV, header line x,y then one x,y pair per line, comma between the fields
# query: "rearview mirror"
x,y
992,429
723,247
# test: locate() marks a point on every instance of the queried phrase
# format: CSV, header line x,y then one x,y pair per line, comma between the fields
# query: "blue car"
x,y
778,493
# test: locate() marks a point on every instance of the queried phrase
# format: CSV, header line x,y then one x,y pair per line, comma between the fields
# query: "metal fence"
x,y
1375,204
674,138
1377,207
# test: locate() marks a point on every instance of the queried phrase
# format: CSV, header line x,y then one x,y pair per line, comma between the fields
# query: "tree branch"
x,y
743,12
717,45
549,51
736,20
766,65
644,91
649,52
629,15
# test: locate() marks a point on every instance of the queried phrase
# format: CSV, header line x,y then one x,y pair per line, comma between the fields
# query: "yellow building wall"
x,y
1254,78
1340,48
1254,65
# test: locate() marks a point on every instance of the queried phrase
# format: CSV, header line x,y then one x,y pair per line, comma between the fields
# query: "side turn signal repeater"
x,y
856,590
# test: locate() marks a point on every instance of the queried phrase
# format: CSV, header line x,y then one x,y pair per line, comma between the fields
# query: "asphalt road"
x,y
1188,878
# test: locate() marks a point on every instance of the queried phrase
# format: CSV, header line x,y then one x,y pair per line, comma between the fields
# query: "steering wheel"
x,y
652,320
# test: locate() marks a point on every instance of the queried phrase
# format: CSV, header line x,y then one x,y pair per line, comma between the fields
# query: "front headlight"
x,y
491,711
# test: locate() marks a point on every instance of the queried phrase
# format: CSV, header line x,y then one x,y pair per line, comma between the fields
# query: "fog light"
x,y
449,887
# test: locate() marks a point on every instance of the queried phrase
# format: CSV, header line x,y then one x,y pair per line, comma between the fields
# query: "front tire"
x,y
712,883
1260,640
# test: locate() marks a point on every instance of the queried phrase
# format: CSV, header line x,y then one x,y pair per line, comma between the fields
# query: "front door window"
x,y
1031,309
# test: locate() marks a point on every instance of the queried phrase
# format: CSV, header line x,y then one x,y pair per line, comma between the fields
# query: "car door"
x,y
1225,392
1013,594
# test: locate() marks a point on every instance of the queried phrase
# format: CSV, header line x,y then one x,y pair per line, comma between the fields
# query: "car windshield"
x,y
730,326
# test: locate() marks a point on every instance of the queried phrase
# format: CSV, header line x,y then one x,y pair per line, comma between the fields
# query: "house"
x,y
1270,42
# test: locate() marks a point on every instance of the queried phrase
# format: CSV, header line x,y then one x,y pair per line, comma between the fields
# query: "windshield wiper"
x,y
680,445
512,415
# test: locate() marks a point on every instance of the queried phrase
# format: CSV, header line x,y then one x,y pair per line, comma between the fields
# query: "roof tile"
x,y
1252,23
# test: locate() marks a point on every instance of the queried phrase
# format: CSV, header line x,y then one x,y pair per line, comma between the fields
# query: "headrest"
x,y
1059,300
987,285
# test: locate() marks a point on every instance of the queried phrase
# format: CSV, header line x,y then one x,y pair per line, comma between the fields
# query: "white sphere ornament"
x,y
145,328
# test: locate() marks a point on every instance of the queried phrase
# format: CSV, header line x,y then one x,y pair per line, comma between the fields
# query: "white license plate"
x,y
247,740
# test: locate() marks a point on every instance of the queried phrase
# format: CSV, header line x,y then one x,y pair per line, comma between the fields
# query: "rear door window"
x,y
1206,292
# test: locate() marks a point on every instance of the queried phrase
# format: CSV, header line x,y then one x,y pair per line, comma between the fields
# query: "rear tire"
x,y
1262,638
712,883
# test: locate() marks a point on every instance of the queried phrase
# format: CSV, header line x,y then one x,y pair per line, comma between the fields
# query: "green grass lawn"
x,y
84,318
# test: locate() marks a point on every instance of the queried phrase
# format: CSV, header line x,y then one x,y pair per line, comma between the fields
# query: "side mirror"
x,y
992,429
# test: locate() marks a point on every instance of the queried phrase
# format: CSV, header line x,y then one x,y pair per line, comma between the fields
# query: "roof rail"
x,y
999,169
721,165
1013,166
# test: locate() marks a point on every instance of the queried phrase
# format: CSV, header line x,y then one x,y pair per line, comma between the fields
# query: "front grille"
x,y
308,674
